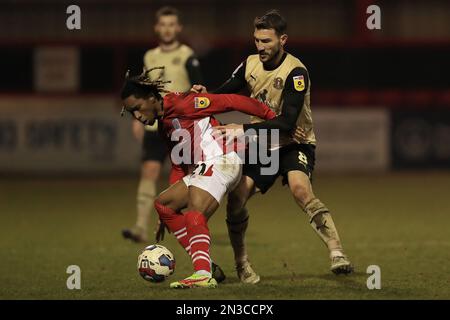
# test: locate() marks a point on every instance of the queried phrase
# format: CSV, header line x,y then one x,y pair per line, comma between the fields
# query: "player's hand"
x,y
298,135
231,130
160,231
198,88
138,130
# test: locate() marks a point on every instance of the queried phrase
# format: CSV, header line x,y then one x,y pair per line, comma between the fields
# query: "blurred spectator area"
x,y
405,63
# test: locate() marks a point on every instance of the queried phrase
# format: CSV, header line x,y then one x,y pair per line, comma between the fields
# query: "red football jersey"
x,y
193,112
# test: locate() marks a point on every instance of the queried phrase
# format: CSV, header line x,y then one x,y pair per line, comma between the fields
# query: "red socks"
x,y
191,231
199,239
175,222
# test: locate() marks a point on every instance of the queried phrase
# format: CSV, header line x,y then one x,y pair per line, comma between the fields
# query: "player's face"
x,y
167,28
144,110
268,44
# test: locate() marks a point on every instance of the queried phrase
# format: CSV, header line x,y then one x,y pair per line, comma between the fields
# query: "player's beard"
x,y
272,60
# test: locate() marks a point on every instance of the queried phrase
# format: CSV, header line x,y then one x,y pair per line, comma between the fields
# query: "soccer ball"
x,y
156,263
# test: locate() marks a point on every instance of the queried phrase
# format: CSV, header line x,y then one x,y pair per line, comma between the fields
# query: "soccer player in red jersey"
x,y
180,63
217,167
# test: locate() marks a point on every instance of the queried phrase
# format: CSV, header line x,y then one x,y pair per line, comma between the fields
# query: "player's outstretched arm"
x,y
221,103
293,97
235,83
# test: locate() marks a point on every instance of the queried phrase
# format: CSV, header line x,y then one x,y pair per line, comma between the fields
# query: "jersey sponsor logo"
x,y
299,83
201,102
278,83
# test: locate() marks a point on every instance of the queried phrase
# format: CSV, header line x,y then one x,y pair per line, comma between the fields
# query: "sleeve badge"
x,y
201,102
299,83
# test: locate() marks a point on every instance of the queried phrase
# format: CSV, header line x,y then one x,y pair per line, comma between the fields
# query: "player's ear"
x,y
283,39
179,27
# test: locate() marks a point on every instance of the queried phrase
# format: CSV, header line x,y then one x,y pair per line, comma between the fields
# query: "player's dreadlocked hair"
x,y
142,86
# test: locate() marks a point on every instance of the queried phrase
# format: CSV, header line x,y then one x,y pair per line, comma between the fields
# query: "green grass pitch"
x,y
398,221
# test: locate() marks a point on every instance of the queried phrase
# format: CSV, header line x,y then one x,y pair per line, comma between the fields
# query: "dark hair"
x,y
271,20
167,11
141,86
131,88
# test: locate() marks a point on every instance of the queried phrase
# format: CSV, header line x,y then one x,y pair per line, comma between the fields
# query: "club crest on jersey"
x,y
278,83
176,60
201,102
299,83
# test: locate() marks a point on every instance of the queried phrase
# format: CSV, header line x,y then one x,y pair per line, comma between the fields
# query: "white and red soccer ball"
x,y
156,263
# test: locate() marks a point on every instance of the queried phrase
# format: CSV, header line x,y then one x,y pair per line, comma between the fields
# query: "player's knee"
x,y
238,217
199,204
235,203
302,194
159,205
163,199
150,170
164,212
146,190
202,203
237,199
196,205
159,208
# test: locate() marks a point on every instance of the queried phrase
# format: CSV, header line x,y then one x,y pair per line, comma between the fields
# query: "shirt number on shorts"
x,y
202,170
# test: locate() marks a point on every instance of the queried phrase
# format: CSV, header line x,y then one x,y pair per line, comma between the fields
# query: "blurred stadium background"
x,y
69,164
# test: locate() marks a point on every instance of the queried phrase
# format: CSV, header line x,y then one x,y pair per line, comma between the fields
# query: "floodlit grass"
x,y
399,222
